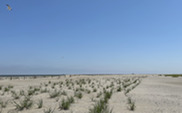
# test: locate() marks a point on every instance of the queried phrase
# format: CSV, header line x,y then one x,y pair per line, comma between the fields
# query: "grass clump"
x,y
99,94
127,91
22,92
50,110
78,95
1,87
26,103
119,89
31,92
64,93
54,94
40,103
15,95
87,91
10,86
65,104
100,107
45,85
3,104
49,82
95,90
6,89
107,95
131,104
71,99
36,89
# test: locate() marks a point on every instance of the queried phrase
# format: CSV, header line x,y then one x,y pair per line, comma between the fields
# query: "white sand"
x,y
155,94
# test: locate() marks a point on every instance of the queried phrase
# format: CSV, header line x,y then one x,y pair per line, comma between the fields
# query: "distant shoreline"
x,y
45,75
22,75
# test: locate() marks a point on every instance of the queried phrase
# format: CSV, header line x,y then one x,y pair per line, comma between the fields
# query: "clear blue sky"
x,y
90,36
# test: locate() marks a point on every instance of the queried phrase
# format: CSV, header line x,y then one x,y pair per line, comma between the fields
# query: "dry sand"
x,y
150,93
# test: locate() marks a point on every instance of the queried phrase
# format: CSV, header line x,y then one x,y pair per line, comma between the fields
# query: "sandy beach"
x,y
128,94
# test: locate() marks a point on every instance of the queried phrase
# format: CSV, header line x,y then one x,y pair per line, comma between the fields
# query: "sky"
x,y
90,36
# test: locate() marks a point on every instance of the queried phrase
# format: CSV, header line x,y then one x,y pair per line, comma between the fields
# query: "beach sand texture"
x,y
129,93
